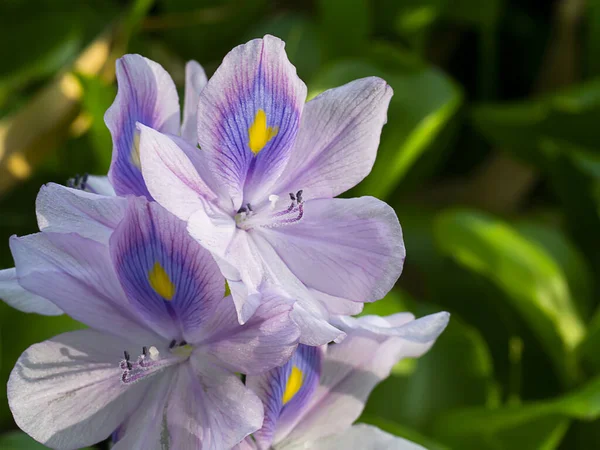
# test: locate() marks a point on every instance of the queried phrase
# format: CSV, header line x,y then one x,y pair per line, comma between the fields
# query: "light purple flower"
x,y
259,193
146,95
157,367
312,401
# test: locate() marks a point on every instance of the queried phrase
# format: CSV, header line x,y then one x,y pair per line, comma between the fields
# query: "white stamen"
x,y
273,199
153,352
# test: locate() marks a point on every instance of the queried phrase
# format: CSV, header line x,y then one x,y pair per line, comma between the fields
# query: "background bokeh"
x,y
491,158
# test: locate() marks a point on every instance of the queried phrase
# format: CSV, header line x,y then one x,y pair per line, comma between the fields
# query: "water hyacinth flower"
x,y
259,193
312,401
157,367
140,80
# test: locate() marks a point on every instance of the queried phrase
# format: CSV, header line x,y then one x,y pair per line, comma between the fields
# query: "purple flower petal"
x,y
267,340
64,210
285,391
168,277
361,437
145,428
195,80
210,408
76,274
338,139
352,368
248,117
346,248
146,95
175,172
100,185
66,392
14,295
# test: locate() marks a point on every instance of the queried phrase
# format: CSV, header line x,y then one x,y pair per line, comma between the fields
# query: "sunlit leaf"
x,y
512,427
532,281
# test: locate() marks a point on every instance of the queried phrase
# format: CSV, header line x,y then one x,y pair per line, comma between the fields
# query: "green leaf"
x,y
532,281
424,102
507,427
345,25
97,97
456,372
20,441
521,127
570,260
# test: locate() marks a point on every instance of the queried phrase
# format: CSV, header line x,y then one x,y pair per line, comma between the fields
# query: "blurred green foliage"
x,y
491,158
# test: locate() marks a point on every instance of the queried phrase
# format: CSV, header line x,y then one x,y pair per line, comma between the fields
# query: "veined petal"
x,y
169,278
175,172
100,185
195,80
64,210
346,248
352,368
338,139
146,428
248,117
66,392
13,294
210,408
246,444
76,275
146,95
285,391
265,341
358,437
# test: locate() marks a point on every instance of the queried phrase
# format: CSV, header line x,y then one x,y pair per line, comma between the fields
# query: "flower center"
x,y
268,217
151,361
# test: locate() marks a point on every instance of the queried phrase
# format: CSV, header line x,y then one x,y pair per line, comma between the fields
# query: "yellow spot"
x,y
160,282
294,384
227,289
183,350
135,151
259,133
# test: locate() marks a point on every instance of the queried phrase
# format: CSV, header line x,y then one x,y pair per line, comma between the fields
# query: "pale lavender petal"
x,y
169,278
358,437
265,341
99,185
346,248
248,117
309,314
210,408
235,251
146,428
13,294
285,391
352,368
146,95
338,139
172,169
76,274
65,210
195,80
67,392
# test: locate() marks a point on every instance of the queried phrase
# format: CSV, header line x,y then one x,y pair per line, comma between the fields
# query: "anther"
x,y
249,207
292,196
299,196
172,344
182,343
145,351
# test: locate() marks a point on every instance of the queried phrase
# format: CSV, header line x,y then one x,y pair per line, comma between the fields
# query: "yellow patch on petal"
x,y
294,383
160,282
259,133
135,151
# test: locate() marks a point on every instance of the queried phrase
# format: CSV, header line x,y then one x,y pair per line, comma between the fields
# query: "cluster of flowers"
x,y
215,269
